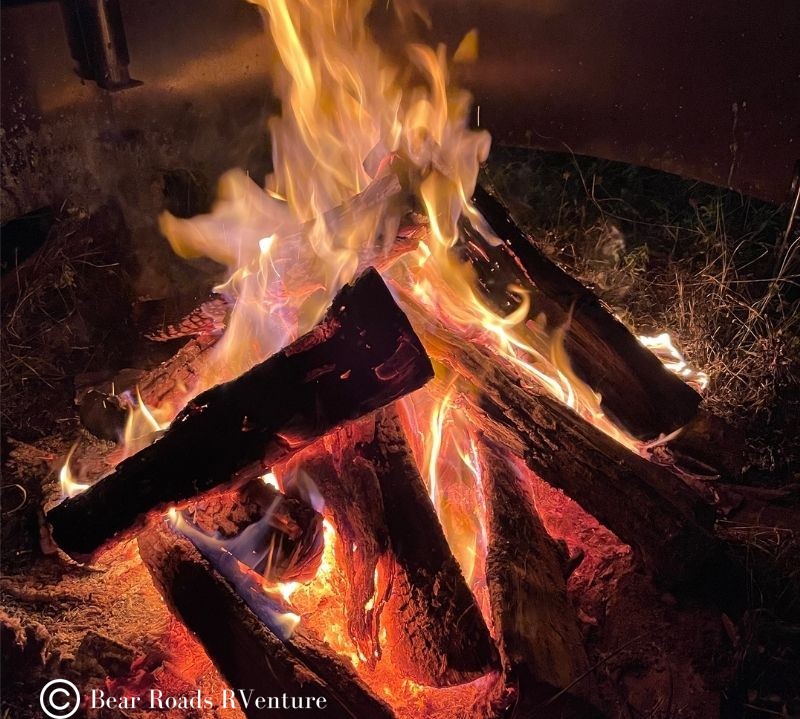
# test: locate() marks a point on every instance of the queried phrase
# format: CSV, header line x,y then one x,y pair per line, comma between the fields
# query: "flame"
x,y
70,486
235,558
270,479
664,348
143,424
351,119
444,443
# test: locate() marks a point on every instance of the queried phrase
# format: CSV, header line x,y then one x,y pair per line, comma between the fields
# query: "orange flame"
x,y
346,108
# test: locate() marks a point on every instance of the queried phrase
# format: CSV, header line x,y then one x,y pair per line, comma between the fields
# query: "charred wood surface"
x,y
432,617
636,389
536,626
244,649
644,504
380,505
181,316
289,543
364,354
353,500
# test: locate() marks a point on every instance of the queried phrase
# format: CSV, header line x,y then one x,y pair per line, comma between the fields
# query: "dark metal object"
x,y
96,37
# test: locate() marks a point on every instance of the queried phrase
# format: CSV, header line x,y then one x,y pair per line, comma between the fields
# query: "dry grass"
x,y
714,269
64,311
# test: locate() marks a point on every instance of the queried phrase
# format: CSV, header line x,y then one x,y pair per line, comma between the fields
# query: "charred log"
x,y
644,504
352,495
362,355
367,475
636,389
242,646
433,622
540,644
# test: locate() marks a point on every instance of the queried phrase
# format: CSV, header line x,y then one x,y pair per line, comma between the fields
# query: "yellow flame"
x,y
70,486
143,425
290,245
270,479
664,348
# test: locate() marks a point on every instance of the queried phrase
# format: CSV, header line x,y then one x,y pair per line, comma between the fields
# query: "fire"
x,y
350,119
445,447
143,424
142,427
664,348
70,486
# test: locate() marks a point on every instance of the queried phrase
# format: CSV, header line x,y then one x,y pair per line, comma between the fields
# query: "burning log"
x,y
637,391
379,503
353,500
644,504
434,623
176,317
540,644
278,537
239,641
362,355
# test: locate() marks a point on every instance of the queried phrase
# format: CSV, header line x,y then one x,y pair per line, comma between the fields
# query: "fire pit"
x,y
395,461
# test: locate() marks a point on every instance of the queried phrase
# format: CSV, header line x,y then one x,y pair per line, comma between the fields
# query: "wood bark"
x,y
536,627
637,391
433,622
644,504
245,650
362,355
378,501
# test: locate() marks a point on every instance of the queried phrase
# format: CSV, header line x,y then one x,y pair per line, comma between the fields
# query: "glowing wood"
x,y
243,648
435,633
540,644
644,504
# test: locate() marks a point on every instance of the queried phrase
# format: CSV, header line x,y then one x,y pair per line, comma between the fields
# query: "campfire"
x,y
354,481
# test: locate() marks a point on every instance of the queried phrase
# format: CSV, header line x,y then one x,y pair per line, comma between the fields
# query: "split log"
x,y
637,391
354,504
172,381
244,649
540,644
433,622
434,629
361,356
644,504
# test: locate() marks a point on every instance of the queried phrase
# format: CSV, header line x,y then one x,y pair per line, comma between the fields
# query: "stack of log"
x,y
322,407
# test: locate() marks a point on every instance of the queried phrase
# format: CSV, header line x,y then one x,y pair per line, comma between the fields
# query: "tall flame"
x,y
350,120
